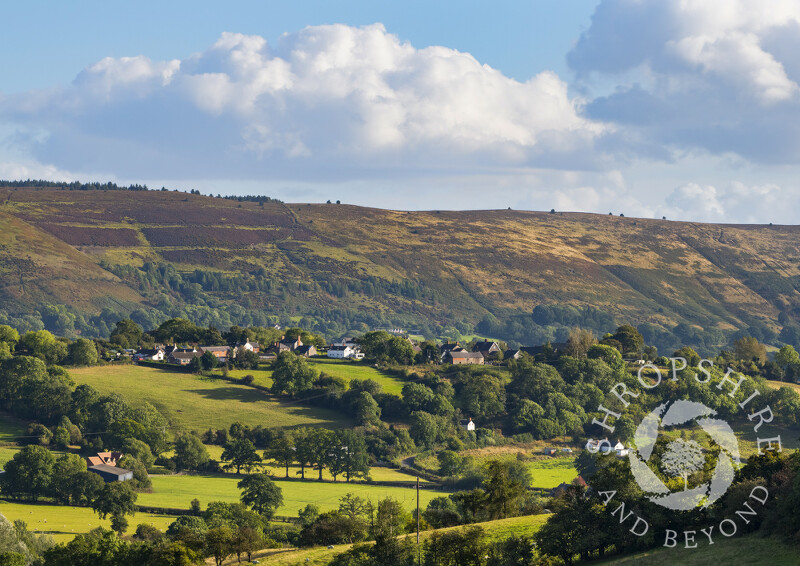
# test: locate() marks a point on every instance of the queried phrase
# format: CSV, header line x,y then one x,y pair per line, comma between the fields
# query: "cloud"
x,y
734,202
711,75
327,102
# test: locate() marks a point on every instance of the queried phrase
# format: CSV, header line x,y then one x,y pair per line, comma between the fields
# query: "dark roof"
x,y
214,348
465,355
485,345
448,346
336,348
185,355
149,351
112,473
304,349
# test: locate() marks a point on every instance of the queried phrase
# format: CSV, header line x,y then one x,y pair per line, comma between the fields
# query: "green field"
x,y
63,523
344,369
551,472
318,556
750,549
193,402
358,370
177,492
11,429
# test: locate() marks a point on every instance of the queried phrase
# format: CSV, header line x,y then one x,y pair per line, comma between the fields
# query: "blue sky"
x,y
685,109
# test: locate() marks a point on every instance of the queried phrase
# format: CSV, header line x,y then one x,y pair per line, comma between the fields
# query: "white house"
x,y
344,351
620,449
155,355
467,424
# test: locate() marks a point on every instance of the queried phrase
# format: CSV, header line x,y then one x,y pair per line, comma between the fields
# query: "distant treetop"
x,y
78,186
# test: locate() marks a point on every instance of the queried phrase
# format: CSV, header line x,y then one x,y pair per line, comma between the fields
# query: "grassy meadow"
x,y
63,523
751,549
318,556
335,368
192,402
177,492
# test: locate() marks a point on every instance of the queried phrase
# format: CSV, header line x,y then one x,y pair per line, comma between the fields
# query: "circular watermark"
x,y
659,451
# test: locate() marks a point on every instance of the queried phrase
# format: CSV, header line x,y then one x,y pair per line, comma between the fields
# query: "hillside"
x,y
219,261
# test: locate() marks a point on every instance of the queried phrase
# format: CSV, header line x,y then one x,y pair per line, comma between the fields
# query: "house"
x,y
459,358
106,458
550,451
450,347
249,346
340,352
486,347
306,350
169,350
286,345
467,424
620,449
512,354
149,354
352,342
111,473
553,348
222,353
183,358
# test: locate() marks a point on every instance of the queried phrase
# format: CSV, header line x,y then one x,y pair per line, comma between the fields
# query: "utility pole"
x,y
419,555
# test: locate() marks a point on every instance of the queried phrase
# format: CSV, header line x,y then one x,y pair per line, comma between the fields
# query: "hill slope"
x,y
349,268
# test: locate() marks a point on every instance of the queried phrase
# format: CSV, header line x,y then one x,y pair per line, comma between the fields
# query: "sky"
x,y
685,109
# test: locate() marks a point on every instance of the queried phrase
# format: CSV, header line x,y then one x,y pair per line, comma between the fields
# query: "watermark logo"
x,y
662,450
683,457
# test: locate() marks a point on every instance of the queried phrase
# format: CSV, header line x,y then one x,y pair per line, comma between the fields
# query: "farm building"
x,y
111,473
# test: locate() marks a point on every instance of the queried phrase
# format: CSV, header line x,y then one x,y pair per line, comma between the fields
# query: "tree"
x,y
43,345
241,453
450,463
66,468
579,342
116,498
322,443
8,335
219,543
291,374
441,512
139,450
471,503
354,460
787,356
426,429
482,396
190,452
208,361
282,451
608,354
688,353
29,472
683,458
629,337
465,547
261,494
749,349
83,352
390,516
126,334
366,410
503,491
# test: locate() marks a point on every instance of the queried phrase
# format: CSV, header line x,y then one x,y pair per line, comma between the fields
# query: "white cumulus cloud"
x,y
327,101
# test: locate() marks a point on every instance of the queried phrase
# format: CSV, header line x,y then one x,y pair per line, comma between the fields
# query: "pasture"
x,y
177,492
191,402
318,556
343,369
63,523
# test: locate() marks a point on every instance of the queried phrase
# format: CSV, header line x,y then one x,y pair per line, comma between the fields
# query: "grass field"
x,y
177,492
63,523
335,368
752,549
358,370
318,556
192,402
